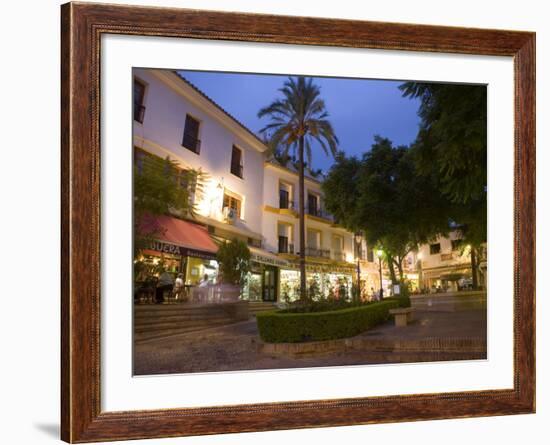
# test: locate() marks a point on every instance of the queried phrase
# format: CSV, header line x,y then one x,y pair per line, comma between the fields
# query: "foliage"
x,y
161,187
292,327
451,150
297,120
382,196
301,113
234,260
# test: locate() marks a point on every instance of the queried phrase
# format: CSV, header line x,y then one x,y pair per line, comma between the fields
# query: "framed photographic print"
x,y
276,222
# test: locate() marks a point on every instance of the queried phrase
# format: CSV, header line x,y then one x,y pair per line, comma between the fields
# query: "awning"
x,y
265,257
179,237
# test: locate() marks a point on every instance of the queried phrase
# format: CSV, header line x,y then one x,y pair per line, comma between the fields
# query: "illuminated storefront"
x,y
322,280
184,248
262,282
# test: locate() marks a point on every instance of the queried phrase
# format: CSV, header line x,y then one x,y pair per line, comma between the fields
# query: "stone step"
x,y
180,319
177,325
177,309
145,337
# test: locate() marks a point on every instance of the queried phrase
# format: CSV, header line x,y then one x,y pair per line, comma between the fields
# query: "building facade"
x,y
446,265
247,195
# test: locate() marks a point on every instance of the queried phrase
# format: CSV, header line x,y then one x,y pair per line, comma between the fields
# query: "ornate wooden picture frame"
x,y
82,26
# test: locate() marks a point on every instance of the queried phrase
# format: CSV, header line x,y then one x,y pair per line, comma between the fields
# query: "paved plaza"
x,y
445,328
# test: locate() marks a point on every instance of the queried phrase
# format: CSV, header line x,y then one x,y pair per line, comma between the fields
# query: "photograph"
x,y
298,221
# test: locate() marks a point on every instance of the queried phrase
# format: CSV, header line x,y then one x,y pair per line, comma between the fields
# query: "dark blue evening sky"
x,y
359,109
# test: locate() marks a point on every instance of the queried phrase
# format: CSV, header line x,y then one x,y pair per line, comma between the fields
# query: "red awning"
x,y
182,233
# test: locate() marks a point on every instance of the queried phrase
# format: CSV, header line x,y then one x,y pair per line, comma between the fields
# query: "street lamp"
x,y
379,254
358,239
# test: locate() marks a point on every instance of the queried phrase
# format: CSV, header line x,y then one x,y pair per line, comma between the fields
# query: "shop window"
x,y
435,248
191,139
237,162
139,98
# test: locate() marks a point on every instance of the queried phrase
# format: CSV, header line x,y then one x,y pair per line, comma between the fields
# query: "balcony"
x,y
285,246
319,253
338,255
318,212
286,204
191,143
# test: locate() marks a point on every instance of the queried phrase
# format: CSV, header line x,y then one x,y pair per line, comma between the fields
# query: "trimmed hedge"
x,y
285,327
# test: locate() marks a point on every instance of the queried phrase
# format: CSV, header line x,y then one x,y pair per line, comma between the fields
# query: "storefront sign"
x,y
267,260
172,249
325,268
160,246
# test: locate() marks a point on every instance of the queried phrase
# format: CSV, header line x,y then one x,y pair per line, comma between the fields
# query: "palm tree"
x,y
297,120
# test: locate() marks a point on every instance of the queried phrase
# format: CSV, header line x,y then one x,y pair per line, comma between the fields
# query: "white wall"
x,y
162,129
428,260
30,326
272,177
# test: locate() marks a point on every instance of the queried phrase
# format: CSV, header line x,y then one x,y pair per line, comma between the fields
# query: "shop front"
x,y
322,280
181,247
262,283
447,279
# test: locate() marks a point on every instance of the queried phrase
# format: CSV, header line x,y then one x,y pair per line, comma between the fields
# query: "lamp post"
x,y
358,239
379,254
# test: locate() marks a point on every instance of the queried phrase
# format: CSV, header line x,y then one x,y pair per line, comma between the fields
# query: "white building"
x,y
445,264
329,248
255,199
242,194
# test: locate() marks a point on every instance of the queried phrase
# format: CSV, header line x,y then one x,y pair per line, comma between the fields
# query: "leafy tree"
x,y
382,196
234,260
297,120
451,150
160,187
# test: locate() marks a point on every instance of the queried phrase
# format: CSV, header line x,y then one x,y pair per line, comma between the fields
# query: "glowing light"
x,y
211,200
379,253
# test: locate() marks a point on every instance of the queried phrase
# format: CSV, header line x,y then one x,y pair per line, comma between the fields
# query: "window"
x,y
143,159
312,204
237,162
456,243
285,196
139,96
187,180
435,248
313,238
283,199
370,255
284,232
232,202
191,135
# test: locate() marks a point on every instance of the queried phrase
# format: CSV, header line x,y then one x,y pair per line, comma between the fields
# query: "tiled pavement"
x,y
235,347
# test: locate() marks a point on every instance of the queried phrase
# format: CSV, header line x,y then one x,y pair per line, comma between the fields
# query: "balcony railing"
x,y
191,143
320,213
286,204
338,255
139,113
285,246
315,252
